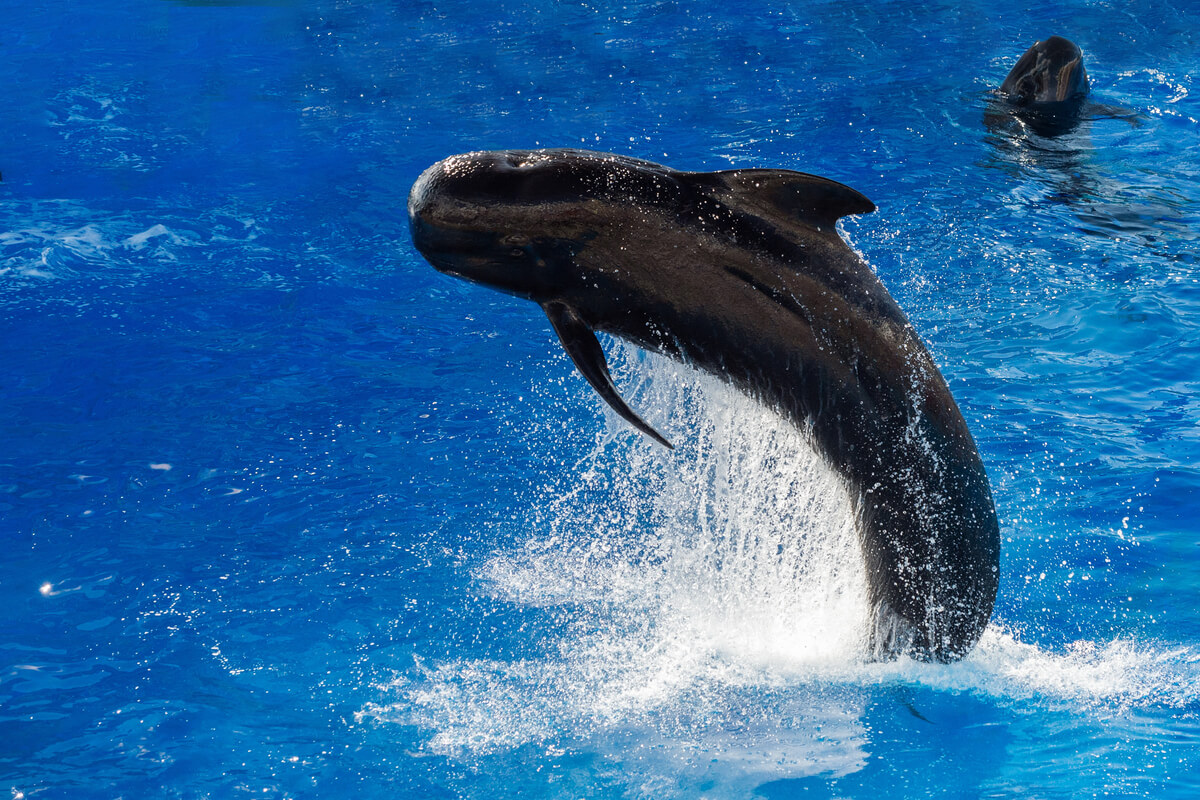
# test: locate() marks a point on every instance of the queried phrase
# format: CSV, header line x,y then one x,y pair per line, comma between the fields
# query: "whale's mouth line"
x,y
444,264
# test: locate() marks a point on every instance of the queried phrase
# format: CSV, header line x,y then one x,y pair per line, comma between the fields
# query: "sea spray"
x,y
711,600
725,561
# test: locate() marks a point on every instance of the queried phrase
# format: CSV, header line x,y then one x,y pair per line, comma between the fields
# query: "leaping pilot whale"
x,y
742,274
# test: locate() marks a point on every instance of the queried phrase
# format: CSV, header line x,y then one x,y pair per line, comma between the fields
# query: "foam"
x,y
720,587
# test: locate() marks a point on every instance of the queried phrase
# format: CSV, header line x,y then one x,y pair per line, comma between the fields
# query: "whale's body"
x,y
743,274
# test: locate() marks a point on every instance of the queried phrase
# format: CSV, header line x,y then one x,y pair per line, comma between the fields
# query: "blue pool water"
x,y
288,514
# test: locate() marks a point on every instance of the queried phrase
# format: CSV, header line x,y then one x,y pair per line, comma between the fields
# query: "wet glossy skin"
x,y
742,274
1050,71
1048,85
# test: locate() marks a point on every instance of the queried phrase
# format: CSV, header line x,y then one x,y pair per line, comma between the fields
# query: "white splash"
x,y
741,541
712,600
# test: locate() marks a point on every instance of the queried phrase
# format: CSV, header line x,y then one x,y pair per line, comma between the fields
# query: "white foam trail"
x,y
1118,674
719,588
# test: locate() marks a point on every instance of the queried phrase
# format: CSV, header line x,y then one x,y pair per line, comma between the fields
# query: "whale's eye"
x,y
516,243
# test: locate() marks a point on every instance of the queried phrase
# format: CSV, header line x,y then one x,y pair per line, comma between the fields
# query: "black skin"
x,y
1048,86
743,275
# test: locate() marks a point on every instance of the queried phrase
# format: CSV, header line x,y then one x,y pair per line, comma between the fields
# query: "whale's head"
x,y
1049,74
513,220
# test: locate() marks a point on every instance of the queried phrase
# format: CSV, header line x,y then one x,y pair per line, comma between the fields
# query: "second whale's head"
x,y
1045,91
1049,75
512,220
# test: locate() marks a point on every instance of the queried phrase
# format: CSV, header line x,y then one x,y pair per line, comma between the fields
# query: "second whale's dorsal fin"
x,y
584,349
783,195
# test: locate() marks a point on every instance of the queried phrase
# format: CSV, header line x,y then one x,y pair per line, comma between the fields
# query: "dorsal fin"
x,y
783,195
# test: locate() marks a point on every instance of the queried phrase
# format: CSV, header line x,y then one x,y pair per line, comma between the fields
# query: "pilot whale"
x,y
1048,86
743,274
1048,75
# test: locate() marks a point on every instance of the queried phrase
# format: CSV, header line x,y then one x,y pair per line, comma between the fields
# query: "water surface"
x,y
288,514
